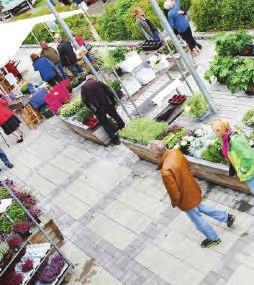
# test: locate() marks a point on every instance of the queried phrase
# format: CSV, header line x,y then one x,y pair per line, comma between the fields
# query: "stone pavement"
x,y
116,219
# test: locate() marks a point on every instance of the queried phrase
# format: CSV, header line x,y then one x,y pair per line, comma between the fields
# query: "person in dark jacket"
x,y
101,101
145,26
5,159
48,71
185,193
178,20
67,55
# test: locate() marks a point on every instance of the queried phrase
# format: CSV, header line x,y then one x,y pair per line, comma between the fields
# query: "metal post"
x,y
75,44
184,56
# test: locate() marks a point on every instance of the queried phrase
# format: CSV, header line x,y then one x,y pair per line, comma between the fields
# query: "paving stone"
x,y
242,276
20,171
168,268
41,184
67,164
53,174
71,205
111,231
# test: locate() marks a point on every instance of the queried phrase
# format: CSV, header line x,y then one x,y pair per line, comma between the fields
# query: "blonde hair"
x,y
223,124
137,10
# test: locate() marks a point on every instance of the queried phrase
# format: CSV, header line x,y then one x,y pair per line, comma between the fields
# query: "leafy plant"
x,y
117,54
5,225
173,138
13,278
242,77
143,130
16,213
213,153
4,194
115,85
4,248
27,265
196,105
22,228
83,114
14,241
248,117
72,108
232,44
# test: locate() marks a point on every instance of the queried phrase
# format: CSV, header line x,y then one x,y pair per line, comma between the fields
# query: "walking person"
x,y
5,159
145,26
178,20
101,101
9,122
185,192
237,151
53,56
47,69
67,56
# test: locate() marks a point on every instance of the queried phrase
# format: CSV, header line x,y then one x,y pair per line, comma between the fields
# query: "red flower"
x,y
14,241
27,266
22,228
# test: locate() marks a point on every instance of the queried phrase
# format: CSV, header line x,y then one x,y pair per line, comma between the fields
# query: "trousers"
x,y
250,184
188,37
4,158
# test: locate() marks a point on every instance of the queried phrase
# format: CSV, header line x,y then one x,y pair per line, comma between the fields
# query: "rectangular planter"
x,y
213,172
98,135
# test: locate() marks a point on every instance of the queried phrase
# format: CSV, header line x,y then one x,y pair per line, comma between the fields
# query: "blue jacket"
x,y
45,67
178,21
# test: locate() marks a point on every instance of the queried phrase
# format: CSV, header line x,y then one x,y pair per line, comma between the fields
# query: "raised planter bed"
x,y
213,172
97,135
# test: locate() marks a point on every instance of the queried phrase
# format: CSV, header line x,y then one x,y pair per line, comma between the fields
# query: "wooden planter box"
x,y
213,172
98,135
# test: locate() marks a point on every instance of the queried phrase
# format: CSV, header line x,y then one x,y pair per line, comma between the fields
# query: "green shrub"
x,y
185,4
143,130
214,15
41,33
248,118
213,153
232,44
196,105
242,77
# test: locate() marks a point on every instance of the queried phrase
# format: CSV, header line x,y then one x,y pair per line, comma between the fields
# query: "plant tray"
x,y
151,45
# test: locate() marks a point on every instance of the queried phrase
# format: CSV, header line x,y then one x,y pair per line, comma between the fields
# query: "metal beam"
x,y
189,65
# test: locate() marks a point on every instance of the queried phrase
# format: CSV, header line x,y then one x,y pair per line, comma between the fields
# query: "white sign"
x,y
83,6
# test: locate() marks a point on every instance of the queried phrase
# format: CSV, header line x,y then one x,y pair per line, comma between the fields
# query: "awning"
x,y
13,34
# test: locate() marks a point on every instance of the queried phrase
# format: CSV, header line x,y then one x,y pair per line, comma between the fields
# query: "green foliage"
x,y
222,67
72,108
173,138
83,115
248,118
41,33
4,194
185,4
143,130
214,15
16,213
213,153
115,85
196,105
242,77
117,54
232,44
5,225
4,248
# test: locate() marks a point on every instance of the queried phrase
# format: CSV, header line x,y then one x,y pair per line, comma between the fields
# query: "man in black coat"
x,y
98,97
67,55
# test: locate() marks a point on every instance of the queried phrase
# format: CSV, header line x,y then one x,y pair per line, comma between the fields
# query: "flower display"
x,y
22,228
14,241
27,265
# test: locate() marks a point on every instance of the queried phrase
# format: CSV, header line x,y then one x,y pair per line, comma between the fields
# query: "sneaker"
x,y
116,141
231,220
10,165
209,243
20,140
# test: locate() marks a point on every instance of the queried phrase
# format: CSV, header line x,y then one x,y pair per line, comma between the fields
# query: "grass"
x,y
41,9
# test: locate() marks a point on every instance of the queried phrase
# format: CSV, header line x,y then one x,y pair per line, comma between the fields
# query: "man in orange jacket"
x,y
185,192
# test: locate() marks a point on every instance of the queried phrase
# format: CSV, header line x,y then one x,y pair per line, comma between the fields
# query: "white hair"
x,y
157,147
168,5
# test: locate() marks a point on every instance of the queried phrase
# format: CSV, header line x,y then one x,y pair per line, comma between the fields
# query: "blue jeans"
x,y
75,69
250,184
61,70
196,217
4,158
155,36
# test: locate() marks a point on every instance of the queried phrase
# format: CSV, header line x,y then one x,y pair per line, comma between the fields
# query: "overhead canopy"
x,y
13,34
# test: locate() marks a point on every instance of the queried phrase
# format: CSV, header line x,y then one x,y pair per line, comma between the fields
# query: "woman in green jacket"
x,y
237,150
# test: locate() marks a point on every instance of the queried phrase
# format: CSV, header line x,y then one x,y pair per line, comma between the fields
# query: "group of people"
x,y
184,191
177,19
51,63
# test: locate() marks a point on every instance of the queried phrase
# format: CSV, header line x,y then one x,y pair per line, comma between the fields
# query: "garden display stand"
x,y
39,246
213,172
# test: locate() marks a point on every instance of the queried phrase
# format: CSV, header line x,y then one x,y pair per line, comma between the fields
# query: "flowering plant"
x,y
14,241
13,279
22,228
27,265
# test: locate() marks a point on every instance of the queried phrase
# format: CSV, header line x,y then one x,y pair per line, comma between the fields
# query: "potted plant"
x,y
4,250
83,115
14,242
27,265
248,118
197,107
13,278
23,228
